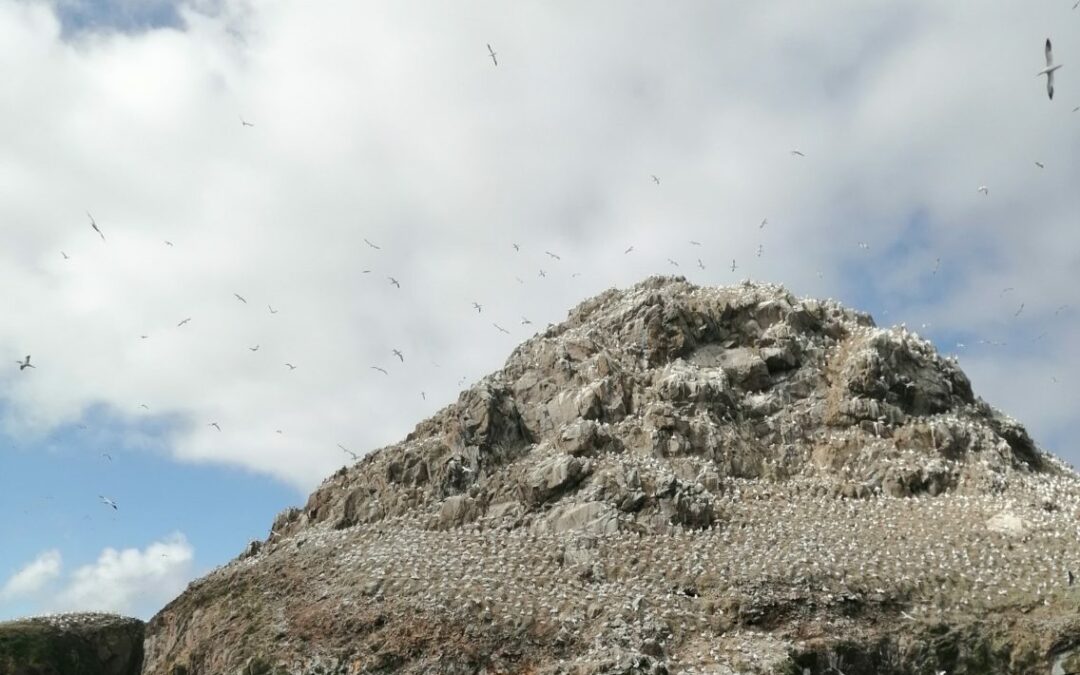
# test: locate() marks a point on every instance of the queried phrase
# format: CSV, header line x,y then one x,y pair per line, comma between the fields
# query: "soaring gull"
x,y
93,223
1048,71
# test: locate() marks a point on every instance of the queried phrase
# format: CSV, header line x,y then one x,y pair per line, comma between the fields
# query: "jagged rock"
x,y
678,479
62,644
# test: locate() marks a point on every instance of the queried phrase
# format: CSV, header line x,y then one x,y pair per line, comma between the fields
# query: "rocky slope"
x,y
66,644
675,479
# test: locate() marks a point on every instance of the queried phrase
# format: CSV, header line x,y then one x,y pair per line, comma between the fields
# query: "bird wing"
x,y
1049,54
1050,85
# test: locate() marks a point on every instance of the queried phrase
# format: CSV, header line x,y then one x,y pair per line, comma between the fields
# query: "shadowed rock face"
x,y
87,644
674,477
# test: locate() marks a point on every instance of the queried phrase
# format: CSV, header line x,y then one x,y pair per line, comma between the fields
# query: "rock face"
x,y
87,644
675,479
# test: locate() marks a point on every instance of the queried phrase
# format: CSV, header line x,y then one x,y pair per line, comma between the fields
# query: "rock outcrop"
x,y
66,644
674,479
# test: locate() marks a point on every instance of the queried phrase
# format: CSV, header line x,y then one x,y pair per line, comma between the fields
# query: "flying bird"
x,y
215,425
93,224
64,254
1048,71
492,53
760,249
656,180
108,502
350,452
864,246
500,328
542,273
377,248
525,321
240,298
397,353
245,123
291,366
107,456
143,337
695,243
733,268
1059,309
1040,165
1019,310
628,250
272,310
550,254
254,349
1006,290
144,406
381,370
798,153
168,243
764,222
672,262
423,396
394,281
700,264
516,247
183,322
477,306
23,365
983,189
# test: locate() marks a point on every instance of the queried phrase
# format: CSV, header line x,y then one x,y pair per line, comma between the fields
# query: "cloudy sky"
x,y
268,142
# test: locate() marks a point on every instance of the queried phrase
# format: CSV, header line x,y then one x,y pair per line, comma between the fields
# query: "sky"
x,y
305,156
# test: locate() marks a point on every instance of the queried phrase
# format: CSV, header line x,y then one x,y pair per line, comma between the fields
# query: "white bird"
x,y
23,365
500,328
254,349
108,502
397,353
291,366
1048,71
93,224
245,123
983,189
240,298
381,370
371,245
798,153
215,425
183,322
733,267
272,310
394,281
492,53
477,306
764,222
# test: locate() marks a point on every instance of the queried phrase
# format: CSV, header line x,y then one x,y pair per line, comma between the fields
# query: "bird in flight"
x,y
108,502
245,123
937,264
423,396
168,243
1040,165
1048,71
350,452
983,189
291,366
397,353
240,298
656,180
183,322
107,456
525,321
516,247
144,406
672,262
628,250
500,328
394,281
798,153
377,248
1006,290
477,306
64,254
549,253
695,243
254,349
215,425
23,365
1059,309
143,337
93,224
733,267
542,273
764,222
864,246
760,249
492,53
272,310
381,370
700,264
1019,310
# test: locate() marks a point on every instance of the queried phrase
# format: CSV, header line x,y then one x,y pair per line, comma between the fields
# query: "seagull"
x,y
553,255
240,298
108,502
168,243
272,310
394,281
525,321
656,180
500,328
397,353
864,246
93,224
350,452
183,322
1048,71
1040,165
23,365
628,250
215,425
542,273
245,123
1019,310
983,189
764,222
254,349
381,370
700,264
733,268
477,306
64,254
291,366
516,247
377,248
492,53
798,152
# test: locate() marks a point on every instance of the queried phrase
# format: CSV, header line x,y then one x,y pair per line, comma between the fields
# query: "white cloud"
x,y
389,122
129,581
34,577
